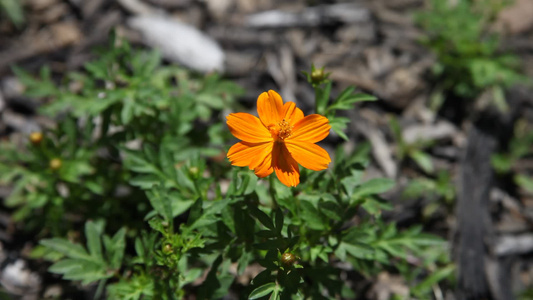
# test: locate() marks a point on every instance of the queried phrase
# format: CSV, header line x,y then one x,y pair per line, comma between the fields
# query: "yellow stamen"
x,y
280,131
285,129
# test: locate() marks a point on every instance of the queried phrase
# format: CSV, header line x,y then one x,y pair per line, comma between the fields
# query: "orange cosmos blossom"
x,y
279,140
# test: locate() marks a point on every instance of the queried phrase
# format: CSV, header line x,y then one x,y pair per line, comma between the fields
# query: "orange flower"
x,y
279,140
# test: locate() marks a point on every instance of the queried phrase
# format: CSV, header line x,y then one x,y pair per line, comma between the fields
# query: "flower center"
x,y
280,131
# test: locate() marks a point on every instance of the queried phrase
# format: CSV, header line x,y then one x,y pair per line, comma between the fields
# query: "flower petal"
x,y
312,129
244,154
285,166
292,113
248,128
265,167
269,108
309,155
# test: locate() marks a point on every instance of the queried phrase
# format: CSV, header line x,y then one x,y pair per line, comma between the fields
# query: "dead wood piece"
x,y
510,203
515,18
239,63
171,4
333,54
281,68
301,45
313,16
448,152
499,276
356,78
90,8
418,110
99,33
441,130
248,274
188,45
11,87
380,149
401,86
20,122
391,16
248,6
219,8
361,32
2,102
138,7
53,13
388,285
475,233
379,61
239,36
402,4
53,37
514,244
40,4
54,291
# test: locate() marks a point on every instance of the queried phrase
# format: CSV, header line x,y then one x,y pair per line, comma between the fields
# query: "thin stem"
x,y
317,94
272,192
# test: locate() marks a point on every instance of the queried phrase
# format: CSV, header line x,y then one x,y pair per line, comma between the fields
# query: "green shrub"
x,y
132,190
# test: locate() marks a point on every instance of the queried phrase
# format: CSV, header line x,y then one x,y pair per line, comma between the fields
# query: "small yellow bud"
x,y
194,172
55,164
167,248
317,75
36,138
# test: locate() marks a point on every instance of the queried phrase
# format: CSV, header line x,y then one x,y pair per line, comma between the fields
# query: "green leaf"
x,y
374,206
80,269
358,250
66,247
128,107
72,170
208,216
64,266
135,288
346,101
423,160
93,233
262,291
322,97
435,277
279,220
116,247
160,201
338,125
524,182
351,182
374,186
262,217
345,94
210,100
14,11
331,209
145,181
311,216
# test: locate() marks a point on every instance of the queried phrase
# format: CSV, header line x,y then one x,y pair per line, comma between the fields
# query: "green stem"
x,y
317,94
272,192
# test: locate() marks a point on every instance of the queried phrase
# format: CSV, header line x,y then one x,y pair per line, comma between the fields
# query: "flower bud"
x,y
288,258
167,249
317,75
36,138
55,164
194,171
